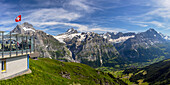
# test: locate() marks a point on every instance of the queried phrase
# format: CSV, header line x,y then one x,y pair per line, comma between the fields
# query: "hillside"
x,y
157,73
49,71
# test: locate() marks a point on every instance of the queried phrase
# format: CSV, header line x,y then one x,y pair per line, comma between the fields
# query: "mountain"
x,y
111,49
144,39
25,28
71,31
45,44
155,74
88,48
118,37
47,71
142,47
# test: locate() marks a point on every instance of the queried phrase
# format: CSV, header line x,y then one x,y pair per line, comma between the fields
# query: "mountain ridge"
x,y
109,49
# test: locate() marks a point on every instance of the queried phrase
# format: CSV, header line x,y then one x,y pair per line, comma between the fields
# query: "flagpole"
x,y
20,21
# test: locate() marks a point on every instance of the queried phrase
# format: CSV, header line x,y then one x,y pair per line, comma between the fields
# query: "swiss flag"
x,y
18,18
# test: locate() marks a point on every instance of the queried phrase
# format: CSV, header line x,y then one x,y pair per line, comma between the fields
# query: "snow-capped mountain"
x,y
143,38
95,49
118,37
92,46
24,28
67,35
165,36
63,37
71,31
45,44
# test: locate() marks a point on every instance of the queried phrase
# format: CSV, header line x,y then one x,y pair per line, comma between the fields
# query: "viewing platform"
x,y
14,50
13,45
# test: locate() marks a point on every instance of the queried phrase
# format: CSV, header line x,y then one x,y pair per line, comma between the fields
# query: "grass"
x,y
118,74
124,77
49,72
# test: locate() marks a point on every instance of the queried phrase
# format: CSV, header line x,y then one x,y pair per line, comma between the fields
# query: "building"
x,y
14,54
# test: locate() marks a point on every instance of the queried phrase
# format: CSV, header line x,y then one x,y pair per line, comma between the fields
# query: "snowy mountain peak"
x,y
165,36
151,30
24,28
72,30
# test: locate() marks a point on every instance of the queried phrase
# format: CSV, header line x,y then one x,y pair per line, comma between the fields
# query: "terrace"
x,y
13,45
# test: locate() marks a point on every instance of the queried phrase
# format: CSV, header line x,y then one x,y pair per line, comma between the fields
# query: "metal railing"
x,y
12,44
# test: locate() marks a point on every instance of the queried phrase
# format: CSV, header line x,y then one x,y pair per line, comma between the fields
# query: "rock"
x,y
65,75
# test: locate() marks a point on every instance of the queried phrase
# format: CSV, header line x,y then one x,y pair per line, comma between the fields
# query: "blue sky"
x,y
56,16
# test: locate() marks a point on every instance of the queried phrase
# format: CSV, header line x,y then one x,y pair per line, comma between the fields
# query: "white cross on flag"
x,y
17,19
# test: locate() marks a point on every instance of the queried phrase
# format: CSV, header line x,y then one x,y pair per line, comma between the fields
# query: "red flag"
x,y
18,18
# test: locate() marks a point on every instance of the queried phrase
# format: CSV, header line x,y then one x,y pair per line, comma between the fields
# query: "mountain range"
x,y
111,49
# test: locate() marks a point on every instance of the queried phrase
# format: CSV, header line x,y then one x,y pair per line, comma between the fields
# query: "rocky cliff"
x,y
45,44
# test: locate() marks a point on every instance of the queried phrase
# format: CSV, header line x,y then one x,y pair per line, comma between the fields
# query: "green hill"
x,y
51,72
158,73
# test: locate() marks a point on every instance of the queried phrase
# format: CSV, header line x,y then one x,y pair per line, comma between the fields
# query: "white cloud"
x,y
159,24
81,28
52,14
142,25
162,3
39,16
145,24
161,8
80,4
83,5
107,30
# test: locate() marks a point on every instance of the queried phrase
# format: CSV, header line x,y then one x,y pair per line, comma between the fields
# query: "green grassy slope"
x,y
51,72
158,73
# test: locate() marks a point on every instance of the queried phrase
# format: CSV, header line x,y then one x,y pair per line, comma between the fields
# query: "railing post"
x,y
16,45
2,44
34,43
26,44
10,44
22,43
30,44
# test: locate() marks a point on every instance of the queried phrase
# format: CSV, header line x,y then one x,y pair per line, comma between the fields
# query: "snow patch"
x,y
65,36
165,36
105,37
69,30
82,37
121,39
28,29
